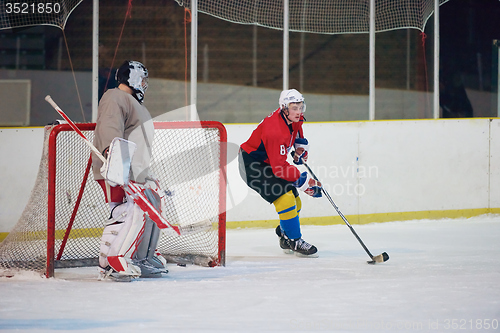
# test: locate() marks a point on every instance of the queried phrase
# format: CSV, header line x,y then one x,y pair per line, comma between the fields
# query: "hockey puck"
x,y
182,265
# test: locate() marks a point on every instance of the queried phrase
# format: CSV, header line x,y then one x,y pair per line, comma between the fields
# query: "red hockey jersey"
x,y
271,142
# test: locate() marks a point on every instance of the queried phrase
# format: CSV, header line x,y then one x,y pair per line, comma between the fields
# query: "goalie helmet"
x,y
291,96
134,75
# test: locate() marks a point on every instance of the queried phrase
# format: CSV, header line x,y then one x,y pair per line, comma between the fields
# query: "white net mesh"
x,y
322,16
15,14
187,160
317,16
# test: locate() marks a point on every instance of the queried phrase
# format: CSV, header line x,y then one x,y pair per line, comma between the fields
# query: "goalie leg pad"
x,y
120,239
115,230
152,232
123,266
152,263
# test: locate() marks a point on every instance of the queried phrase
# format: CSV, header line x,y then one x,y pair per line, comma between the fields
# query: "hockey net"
x,y
62,223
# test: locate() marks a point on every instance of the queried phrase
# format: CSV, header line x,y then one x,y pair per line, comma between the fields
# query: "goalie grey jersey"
x,y
120,115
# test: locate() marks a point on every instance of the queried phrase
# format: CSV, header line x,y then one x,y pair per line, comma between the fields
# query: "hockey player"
x,y
129,240
264,167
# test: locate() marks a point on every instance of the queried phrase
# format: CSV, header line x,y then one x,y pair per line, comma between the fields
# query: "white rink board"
x,y
333,157
391,166
425,165
495,163
20,153
367,167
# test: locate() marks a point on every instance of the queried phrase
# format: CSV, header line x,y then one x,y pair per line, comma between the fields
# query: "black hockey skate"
x,y
298,246
303,248
283,241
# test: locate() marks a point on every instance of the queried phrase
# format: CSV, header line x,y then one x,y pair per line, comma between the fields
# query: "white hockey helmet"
x,y
134,75
291,96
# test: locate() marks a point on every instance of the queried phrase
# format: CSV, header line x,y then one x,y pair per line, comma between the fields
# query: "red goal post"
x,y
188,159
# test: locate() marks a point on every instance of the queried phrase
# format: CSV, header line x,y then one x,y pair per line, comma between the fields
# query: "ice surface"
x,y
442,276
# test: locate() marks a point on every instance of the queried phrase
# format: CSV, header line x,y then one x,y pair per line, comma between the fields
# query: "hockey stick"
x,y
375,259
74,127
135,192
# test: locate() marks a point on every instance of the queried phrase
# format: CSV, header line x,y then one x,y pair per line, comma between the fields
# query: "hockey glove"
x,y
299,158
300,154
309,185
314,192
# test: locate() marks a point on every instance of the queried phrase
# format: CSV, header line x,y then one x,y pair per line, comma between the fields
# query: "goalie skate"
x,y
151,268
109,274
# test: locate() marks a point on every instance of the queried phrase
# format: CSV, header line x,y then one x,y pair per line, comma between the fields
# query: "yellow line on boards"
x,y
321,220
371,218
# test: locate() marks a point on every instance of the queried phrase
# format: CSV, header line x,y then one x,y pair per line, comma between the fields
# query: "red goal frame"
x,y
52,167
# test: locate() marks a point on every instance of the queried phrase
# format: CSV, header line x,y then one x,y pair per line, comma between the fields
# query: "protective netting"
x,y
322,16
317,16
15,14
187,160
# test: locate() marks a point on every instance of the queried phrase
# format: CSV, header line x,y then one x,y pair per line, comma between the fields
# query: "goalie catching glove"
x,y
309,185
300,154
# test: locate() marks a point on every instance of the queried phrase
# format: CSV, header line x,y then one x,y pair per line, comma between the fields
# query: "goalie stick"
x,y
135,192
375,259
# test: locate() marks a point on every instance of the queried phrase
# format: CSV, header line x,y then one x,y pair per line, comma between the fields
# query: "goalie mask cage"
x,y
62,223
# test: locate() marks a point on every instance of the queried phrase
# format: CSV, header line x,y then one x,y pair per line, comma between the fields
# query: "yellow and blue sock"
x,y
298,204
288,208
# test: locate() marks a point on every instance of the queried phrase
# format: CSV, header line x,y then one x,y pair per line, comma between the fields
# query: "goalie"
x,y
129,240
264,167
